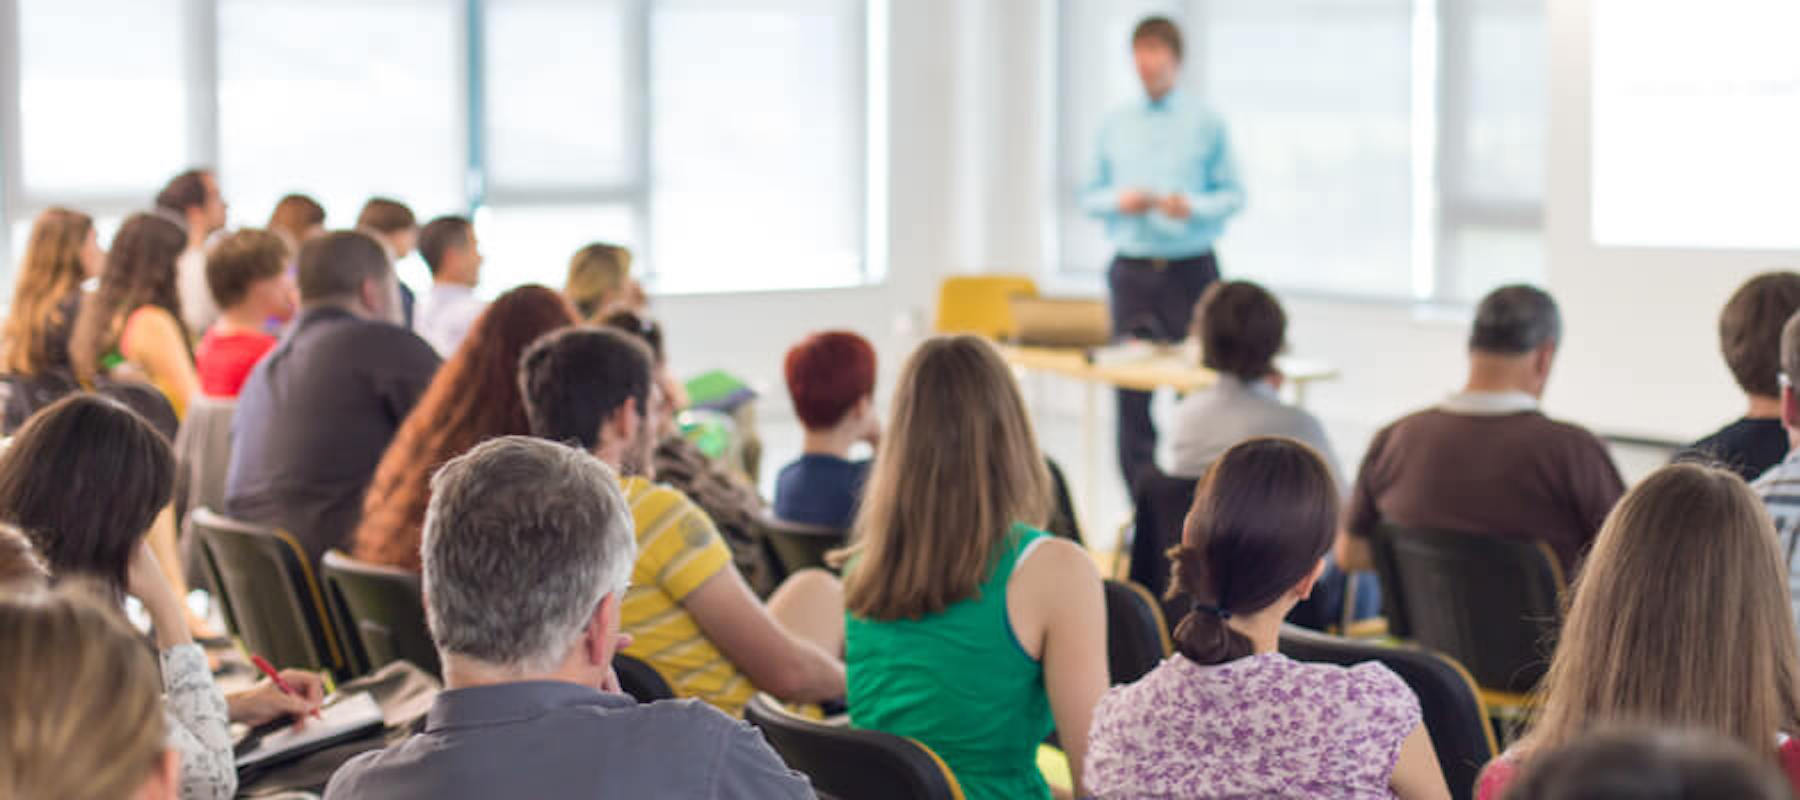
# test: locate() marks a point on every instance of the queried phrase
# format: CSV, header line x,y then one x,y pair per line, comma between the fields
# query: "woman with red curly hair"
x,y
831,378
473,398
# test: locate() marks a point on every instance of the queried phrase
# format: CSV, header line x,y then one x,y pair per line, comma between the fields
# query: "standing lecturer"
x,y
1164,182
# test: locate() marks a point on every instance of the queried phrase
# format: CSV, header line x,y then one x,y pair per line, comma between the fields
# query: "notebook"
x,y
347,719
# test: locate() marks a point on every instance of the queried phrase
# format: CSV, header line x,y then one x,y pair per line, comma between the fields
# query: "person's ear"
x,y
1790,407
601,631
373,296
1304,588
1546,355
622,426
164,782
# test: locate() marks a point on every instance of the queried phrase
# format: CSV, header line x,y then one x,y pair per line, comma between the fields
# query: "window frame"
x,y
200,24
1443,205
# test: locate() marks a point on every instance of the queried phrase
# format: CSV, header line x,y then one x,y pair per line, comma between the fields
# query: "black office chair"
x,y
798,545
383,613
1063,520
1161,505
640,680
1455,716
270,597
847,763
1137,638
1493,604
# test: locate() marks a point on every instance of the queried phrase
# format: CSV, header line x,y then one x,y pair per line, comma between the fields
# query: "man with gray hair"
x,y
1486,460
319,409
528,547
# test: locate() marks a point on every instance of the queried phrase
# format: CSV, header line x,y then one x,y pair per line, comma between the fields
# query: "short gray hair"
x,y
522,540
1515,320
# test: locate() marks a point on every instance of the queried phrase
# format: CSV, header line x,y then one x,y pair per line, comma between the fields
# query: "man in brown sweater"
x,y
1486,460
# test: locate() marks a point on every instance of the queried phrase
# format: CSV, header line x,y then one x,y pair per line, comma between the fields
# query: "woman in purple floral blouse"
x,y
1228,716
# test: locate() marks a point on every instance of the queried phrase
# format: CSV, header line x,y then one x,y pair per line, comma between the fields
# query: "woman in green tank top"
x,y
966,627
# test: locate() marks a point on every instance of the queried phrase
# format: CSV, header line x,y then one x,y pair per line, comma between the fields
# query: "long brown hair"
x,y
1680,618
474,397
50,272
140,271
84,707
958,466
1264,515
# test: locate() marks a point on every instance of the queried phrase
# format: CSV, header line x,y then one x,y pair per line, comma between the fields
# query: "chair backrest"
x,y
847,763
203,454
272,601
1454,715
640,680
798,545
1492,603
1161,505
383,611
980,304
1064,521
1137,638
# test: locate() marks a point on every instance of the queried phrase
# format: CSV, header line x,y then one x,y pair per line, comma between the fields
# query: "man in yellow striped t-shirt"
x,y
690,614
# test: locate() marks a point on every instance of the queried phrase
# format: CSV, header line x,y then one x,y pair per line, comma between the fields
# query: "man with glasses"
x,y
1780,486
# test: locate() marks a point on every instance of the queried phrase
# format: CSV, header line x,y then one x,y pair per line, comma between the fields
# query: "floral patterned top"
x,y
1263,726
194,712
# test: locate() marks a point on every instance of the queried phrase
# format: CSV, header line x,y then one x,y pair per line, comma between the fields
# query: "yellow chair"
x,y
980,304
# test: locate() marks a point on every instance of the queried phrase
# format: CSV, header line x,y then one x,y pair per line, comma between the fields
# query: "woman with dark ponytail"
x,y
1228,716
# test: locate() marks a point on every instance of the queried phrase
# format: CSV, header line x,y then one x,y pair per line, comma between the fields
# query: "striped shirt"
x,y
678,550
1780,491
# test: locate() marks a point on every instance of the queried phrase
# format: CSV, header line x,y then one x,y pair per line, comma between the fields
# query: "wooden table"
x,y
1144,369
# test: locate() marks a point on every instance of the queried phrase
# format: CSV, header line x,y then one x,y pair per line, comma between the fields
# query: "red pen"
x,y
269,670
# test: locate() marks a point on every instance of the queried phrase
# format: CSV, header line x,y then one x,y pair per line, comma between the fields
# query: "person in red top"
x,y
248,276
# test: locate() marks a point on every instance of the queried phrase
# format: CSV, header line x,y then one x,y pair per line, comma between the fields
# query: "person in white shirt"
x,y
192,200
445,314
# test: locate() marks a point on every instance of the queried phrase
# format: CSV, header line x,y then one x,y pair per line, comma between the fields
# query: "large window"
x,y
724,142
1390,148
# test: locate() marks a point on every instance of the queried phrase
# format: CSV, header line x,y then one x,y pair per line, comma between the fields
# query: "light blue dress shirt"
x,y
1176,144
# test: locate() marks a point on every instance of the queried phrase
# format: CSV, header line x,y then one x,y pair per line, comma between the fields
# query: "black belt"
x,y
1160,264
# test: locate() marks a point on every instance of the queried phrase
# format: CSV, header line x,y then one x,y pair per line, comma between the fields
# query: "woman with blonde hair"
x,y
968,627
1681,618
84,709
132,324
600,282
63,251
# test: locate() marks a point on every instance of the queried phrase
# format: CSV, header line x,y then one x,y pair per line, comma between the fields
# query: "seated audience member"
x,y
968,627
449,248
1750,337
296,219
247,273
1241,328
528,551
475,397
131,326
61,253
22,570
1680,618
1486,460
85,479
314,417
1780,486
600,283
831,378
83,707
392,224
193,202
731,504
1229,715
1651,765
689,612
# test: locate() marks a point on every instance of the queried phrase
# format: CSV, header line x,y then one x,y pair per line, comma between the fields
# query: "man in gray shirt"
x,y
528,547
